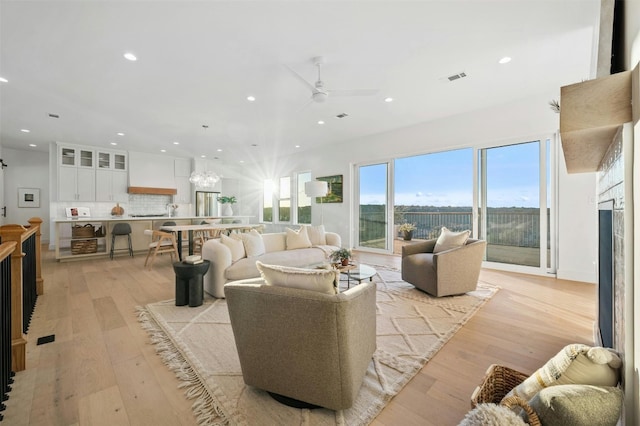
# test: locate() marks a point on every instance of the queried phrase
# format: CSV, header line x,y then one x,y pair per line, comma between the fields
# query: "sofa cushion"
x,y
246,268
316,235
320,280
236,246
578,405
297,239
449,240
253,244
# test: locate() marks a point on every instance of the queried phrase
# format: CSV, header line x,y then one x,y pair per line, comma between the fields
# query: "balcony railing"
x,y
515,229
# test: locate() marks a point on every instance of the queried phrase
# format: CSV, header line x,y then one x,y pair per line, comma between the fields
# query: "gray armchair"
x,y
444,273
303,345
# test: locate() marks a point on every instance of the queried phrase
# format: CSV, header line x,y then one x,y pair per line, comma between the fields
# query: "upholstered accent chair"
x,y
445,273
303,346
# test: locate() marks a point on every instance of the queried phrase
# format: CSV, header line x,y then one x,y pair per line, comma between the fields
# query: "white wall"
x,y
26,169
515,121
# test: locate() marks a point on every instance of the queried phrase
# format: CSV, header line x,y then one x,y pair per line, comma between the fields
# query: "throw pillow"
x,y
316,235
253,244
320,280
578,405
491,414
236,247
574,364
449,240
297,239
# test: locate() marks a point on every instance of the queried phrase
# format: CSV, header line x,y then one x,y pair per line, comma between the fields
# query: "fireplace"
x,y
606,258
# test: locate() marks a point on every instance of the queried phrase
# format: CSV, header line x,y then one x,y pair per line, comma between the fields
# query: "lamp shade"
x,y
316,188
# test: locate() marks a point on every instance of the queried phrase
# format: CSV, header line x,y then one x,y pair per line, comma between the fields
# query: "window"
x,y
304,202
267,201
284,200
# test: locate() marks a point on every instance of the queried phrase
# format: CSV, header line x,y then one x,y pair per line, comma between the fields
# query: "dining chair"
x,y
161,242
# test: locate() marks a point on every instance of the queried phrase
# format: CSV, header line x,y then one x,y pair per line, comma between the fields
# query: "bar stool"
x,y
121,229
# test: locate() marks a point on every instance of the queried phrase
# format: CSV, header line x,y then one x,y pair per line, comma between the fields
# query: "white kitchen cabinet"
x,y
111,186
183,196
111,160
76,156
76,184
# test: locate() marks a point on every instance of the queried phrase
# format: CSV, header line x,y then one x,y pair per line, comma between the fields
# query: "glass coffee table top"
x,y
360,272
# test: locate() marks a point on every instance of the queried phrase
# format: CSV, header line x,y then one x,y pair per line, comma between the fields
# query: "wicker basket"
x,y
85,231
84,246
496,384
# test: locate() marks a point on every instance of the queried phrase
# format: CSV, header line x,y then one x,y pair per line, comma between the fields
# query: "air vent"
x,y
456,76
54,116
342,115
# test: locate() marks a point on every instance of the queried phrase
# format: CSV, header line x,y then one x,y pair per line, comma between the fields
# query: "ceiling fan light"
x,y
320,97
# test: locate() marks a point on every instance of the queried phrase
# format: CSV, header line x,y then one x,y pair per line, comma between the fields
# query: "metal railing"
x,y
516,229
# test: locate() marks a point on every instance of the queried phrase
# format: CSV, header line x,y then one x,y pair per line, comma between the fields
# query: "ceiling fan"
x,y
319,93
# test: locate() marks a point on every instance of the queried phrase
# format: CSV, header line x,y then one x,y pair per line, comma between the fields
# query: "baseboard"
x,y
582,276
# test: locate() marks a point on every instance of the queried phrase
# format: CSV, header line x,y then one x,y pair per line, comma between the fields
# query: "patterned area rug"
x,y
198,345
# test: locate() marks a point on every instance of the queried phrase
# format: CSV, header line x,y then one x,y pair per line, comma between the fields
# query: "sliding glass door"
x,y
514,217
373,205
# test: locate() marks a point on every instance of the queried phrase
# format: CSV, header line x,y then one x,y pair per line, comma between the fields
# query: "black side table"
x,y
189,282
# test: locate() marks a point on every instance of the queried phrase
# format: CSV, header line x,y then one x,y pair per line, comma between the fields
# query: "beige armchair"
x,y
445,273
303,345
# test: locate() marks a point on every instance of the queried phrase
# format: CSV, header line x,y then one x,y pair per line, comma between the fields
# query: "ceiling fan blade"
x,y
354,92
301,79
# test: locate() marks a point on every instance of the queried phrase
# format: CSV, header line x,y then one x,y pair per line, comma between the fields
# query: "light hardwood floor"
x,y
102,370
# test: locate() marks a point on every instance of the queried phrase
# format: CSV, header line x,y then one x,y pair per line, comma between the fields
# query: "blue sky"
x,y
446,178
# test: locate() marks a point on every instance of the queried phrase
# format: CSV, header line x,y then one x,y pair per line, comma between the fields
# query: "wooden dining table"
x,y
224,227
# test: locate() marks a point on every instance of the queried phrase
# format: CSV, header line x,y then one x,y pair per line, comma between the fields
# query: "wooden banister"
x,y
36,222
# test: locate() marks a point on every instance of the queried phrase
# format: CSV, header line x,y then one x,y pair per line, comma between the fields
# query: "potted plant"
x,y
407,230
226,204
341,256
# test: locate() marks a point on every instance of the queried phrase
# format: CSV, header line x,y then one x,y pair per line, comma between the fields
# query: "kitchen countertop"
x,y
132,218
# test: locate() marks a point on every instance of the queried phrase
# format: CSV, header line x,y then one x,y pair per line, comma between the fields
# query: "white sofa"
x,y
223,270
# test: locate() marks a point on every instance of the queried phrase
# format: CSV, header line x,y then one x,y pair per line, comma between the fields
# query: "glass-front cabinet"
x,y
112,160
71,156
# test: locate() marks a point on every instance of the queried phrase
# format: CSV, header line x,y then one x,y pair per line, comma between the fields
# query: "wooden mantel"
x,y
591,113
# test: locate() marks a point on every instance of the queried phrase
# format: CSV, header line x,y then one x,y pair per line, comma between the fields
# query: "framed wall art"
x,y
28,197
335,189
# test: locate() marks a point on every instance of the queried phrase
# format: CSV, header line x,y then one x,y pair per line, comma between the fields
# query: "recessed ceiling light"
x,y
203,156
219,149
114,143
505,60
176,143
163,150
120,134
25,130
130,56
388,99
251,98
3,80
320,122
297,146
33,145
242,161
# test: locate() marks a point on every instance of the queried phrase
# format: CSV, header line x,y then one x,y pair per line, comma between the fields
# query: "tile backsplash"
x,y
137,204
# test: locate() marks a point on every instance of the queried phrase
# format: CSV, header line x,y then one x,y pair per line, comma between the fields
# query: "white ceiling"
x,y
198,61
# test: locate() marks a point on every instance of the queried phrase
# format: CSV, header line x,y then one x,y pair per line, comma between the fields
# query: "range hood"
x,y
152,191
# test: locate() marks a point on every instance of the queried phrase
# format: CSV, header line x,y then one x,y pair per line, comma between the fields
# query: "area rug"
x,y
198,345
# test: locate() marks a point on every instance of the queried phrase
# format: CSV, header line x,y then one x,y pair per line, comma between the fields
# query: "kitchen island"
x,y
87,237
